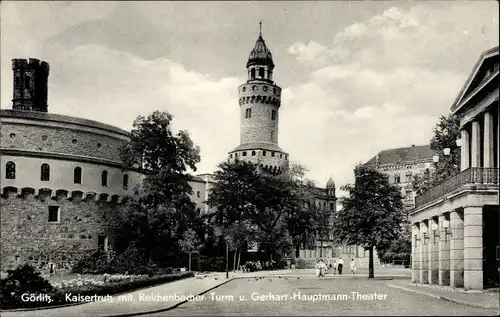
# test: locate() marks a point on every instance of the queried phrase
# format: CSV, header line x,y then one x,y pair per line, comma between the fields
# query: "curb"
x,y
175,305
16,310
443,297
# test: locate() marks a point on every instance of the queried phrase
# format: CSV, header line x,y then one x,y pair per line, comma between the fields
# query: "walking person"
x,y
353,266
340,265
318,269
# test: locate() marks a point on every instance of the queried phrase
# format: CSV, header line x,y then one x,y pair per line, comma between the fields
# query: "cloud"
x,y
391,76
380,82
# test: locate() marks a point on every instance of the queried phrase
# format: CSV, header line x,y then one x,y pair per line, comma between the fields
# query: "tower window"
x,y
252,73
261,72
248,113
281,155
244,89
102,243
53,213
45,172
10,170
253,153
125,181
104,179
17,81
27,83
397,179
272,135
77,175
331,206
272,154
235,154
273,115
244,153
263,153
198,194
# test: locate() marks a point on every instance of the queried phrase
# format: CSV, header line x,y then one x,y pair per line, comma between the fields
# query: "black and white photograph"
x,y
249,158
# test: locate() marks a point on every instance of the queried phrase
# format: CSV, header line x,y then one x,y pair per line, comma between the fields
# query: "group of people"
x,y
322,268
252,266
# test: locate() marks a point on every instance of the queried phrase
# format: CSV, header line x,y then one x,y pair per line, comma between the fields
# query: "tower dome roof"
x,y
260,54
330,183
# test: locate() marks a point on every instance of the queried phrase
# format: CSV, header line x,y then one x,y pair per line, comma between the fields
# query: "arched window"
x,y
77,175
10,170
45,172
125,181
252,73
104,178
261,72
253,153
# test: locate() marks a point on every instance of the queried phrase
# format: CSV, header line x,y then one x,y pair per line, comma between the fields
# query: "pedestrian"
x,y
318,269
353,266
340,265
334,267
322,267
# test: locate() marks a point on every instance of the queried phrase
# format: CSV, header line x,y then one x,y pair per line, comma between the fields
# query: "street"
x,y
295,296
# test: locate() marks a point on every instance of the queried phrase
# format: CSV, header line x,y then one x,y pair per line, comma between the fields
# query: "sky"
x,y
358,77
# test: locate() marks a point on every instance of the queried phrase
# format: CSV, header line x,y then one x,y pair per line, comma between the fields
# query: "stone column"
x,y
476,143
473,247
464,150
415,254
423,254
433,252
498,142
489,158
456,250
443,254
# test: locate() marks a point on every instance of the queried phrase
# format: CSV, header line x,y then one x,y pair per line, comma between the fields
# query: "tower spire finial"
x,y
260,28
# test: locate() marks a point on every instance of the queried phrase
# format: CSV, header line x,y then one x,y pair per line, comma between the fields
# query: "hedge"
x,y
10,298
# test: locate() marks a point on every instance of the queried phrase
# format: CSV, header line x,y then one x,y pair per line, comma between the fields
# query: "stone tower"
x,y
30,84
260,100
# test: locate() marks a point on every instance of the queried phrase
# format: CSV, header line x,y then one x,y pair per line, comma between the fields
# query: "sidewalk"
x,y
473,299
141,302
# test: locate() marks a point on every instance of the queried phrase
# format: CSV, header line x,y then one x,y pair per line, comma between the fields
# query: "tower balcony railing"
x,y
472,175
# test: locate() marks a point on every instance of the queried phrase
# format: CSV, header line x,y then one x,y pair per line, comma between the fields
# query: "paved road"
x,y
225,300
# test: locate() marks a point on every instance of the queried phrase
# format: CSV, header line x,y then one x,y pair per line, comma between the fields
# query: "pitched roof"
x,y
479,75
401,155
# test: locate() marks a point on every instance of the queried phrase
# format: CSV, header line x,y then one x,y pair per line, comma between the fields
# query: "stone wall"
x,y
60,140
262,98
27,236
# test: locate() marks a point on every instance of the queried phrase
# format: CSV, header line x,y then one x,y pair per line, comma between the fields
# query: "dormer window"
x,y
252,73
261,72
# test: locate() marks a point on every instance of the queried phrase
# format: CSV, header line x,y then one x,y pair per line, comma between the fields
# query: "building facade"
x,y
401,165
260,100
62,180
455,224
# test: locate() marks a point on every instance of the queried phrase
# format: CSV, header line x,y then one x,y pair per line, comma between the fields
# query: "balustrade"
x,y
472,175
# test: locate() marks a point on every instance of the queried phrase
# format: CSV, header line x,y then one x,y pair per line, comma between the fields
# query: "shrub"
x,y
22,280
120,284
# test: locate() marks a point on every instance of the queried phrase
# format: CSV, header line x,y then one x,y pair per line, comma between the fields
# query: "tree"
x,y
190,243
155,214
322,224
446,132
372,212
241,193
